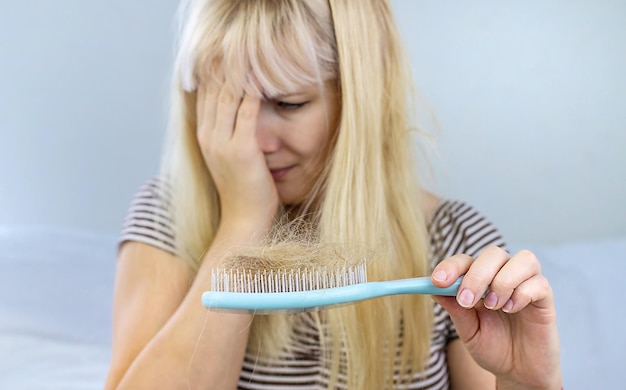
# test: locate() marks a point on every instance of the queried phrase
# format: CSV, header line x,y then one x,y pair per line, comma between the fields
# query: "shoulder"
x,y
149,218
457,227
154,191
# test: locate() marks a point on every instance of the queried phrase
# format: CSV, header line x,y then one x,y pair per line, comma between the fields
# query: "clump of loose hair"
x,y
285,257
292,249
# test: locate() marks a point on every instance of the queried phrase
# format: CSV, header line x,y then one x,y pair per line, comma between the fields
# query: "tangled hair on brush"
x,y
294,247
297,255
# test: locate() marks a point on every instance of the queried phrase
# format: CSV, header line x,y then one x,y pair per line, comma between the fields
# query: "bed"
x,y
56,290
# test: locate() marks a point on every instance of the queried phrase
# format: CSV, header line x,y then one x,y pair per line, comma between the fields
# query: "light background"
x,y
528,100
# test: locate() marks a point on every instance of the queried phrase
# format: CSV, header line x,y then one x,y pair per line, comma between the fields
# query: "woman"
x,y
284,110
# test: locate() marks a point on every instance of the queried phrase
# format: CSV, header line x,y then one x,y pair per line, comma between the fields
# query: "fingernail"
x,y
440,276
466,298
508,306
491,300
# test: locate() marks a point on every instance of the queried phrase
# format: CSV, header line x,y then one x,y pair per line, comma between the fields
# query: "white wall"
x,y
529,97
83,92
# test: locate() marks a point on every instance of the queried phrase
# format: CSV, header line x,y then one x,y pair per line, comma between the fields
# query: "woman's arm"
x,y
149,286
162,335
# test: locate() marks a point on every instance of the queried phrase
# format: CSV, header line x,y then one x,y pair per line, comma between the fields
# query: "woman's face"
x,y
294,133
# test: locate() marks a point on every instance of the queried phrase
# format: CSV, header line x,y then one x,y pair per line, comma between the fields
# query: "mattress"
x,y
56,289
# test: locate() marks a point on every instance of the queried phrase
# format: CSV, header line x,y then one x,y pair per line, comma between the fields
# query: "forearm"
x,y
200,348
195,347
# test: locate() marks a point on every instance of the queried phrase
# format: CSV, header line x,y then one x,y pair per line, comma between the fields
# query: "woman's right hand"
x,y
226,127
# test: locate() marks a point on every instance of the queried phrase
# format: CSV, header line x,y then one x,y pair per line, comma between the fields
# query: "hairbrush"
x,y
300,290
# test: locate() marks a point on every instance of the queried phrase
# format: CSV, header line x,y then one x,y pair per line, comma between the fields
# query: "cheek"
x,y
318,146
313,138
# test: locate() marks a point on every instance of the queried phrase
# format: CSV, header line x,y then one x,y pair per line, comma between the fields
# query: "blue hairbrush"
x,y
299,291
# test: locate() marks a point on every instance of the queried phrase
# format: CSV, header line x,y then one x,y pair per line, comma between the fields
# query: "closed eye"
x,y
290,106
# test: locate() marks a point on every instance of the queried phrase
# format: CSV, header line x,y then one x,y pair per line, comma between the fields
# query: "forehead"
x,y
272,52
269,74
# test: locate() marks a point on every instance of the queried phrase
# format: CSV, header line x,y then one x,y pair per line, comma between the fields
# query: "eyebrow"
x,y
283,96
303,91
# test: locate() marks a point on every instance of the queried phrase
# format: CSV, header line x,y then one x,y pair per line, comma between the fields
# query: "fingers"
x,y
513,282
223,115
536,291
480,275
206,107
500,281
246,121
449,270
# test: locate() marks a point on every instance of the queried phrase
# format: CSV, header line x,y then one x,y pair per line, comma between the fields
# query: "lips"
x,y
279,173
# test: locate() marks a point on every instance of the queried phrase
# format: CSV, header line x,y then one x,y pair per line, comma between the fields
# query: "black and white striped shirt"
x,y
454,228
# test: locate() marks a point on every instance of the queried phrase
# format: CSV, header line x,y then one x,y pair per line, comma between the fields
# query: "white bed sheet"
x,y
56,290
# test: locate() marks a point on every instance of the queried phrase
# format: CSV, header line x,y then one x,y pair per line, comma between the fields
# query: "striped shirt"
x,y
454,228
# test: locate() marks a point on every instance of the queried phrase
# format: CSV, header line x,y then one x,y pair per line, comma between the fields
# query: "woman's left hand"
x,y
512,332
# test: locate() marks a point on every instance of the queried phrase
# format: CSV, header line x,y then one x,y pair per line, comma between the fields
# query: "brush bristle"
x,y
285,280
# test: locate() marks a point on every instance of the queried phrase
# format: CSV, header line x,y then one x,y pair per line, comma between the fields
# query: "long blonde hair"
x,y
368,196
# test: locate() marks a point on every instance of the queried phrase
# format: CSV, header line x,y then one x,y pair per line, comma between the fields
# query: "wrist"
x,y
238,232
503,384
231,237
258,222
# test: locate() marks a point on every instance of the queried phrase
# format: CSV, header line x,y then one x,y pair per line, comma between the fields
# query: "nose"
x,y
267,130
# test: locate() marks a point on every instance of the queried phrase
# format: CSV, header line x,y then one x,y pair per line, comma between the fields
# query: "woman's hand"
x,y
512,332
226,134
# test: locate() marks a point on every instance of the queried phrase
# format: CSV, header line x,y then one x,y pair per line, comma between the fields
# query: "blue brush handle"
x,y
266,303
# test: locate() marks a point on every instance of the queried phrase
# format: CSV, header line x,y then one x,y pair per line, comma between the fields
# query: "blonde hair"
x,y
369,194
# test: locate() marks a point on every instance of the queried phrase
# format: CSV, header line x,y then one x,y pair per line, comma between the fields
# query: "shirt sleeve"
x,y
459,228
149,218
